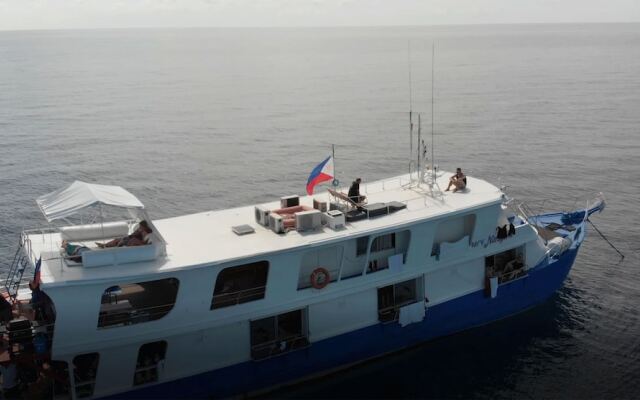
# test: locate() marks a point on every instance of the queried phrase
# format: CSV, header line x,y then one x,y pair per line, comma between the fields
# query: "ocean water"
x,y
197,119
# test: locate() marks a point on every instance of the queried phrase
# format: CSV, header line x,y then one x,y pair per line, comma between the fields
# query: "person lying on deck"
x,y
354,191
73,251
138,238
458,180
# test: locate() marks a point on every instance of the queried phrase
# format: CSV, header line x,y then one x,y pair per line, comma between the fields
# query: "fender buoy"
x,y
320,278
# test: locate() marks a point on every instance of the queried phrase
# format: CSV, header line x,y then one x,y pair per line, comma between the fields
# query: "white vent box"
x,y
308,220
262,215
276,223
289,201
334,219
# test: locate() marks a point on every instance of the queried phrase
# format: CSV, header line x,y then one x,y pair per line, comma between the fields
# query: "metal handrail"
x,y
240,294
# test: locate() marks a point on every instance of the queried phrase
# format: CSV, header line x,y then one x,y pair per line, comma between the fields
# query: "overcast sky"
x,y
57,14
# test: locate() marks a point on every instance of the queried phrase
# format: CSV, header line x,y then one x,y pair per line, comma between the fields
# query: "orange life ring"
x,y
320,278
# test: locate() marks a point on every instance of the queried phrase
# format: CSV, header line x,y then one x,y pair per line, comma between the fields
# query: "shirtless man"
x,y
137,238
458,180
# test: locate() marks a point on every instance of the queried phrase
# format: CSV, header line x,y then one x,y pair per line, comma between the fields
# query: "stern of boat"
x,y
27,320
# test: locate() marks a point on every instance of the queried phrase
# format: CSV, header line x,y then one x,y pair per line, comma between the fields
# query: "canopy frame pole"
x,y
102,222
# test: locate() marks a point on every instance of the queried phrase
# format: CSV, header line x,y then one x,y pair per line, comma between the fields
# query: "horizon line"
x,y
319,26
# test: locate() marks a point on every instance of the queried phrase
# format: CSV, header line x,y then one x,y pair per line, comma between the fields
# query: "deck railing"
x,y
279,346
238,297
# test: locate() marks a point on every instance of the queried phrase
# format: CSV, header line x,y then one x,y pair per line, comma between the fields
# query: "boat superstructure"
x,y
232,301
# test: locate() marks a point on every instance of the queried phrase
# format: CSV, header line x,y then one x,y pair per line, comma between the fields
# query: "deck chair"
x,y
346,199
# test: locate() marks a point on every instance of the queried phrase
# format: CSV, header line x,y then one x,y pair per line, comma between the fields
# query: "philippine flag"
x,y
36,275
321,173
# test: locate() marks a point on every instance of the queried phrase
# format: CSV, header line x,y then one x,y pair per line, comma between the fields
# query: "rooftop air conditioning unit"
x,y
334,219
276,223
289,201
308,220
320,205
262,216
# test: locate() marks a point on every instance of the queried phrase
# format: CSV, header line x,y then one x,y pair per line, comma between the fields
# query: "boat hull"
x,y
327,355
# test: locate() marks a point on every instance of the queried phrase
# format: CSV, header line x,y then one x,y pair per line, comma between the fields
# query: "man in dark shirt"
x,y
354,192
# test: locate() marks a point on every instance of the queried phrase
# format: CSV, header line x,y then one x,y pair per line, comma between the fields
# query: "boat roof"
x,y
207,238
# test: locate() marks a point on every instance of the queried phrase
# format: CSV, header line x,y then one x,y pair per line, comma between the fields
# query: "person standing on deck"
x,y
354,191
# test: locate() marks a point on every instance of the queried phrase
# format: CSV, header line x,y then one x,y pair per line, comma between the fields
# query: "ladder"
x,y
16,270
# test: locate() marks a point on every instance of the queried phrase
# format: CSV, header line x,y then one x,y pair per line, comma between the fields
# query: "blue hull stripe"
x,y
444,319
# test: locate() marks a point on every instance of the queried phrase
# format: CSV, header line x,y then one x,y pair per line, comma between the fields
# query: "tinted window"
x,y
134,303
241,284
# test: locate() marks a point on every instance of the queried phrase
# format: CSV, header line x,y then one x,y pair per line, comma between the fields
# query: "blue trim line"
x,y
443,319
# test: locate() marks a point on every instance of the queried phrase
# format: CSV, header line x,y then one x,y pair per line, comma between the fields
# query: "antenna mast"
x,y
420,170
433,171
410,106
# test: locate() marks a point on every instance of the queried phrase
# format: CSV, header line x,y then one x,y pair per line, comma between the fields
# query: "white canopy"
x,y
79,195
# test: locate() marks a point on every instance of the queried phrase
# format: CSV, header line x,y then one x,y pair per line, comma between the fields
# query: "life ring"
x,y
320,278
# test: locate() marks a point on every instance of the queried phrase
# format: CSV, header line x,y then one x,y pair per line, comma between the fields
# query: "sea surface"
x,y
199,119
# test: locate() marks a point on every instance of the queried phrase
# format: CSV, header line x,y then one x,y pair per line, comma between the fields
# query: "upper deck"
x,y
206,238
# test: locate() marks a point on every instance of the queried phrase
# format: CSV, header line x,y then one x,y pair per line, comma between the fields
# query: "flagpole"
x,y
335,170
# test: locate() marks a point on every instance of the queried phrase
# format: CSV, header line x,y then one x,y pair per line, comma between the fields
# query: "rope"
x,y
605,239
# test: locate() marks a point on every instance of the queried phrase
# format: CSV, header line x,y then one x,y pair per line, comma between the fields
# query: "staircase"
x,y
17,268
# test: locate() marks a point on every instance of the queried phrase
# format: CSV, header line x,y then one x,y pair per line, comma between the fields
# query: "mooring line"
x,y
605,238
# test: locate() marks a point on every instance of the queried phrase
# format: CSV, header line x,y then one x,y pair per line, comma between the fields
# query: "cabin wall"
x,y
208,349
344,314
534,249
455,280
487,220
282,282
78,308
116,368
352,264
419,253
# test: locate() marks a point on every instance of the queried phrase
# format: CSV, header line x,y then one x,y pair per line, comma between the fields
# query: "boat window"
x,y
150,362
327,258
278,334
240,284
384,242
393,297
507,265
134,303
85,370
361,245
385,247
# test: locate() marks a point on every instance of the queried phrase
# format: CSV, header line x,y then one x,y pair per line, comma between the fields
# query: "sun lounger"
x,y
346,199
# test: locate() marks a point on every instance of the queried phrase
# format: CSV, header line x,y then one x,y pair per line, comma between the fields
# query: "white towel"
x,y
411,313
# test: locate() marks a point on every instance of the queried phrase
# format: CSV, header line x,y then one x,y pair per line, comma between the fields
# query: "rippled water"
x,y
197,119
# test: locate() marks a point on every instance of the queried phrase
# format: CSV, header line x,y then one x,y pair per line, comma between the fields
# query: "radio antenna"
x,y
410,106
420,170
433,171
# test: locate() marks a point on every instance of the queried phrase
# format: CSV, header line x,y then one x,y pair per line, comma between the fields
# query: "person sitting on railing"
x,y
354,191
458,180
138,238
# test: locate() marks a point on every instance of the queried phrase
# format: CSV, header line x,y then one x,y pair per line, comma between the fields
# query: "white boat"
x,y
236,301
